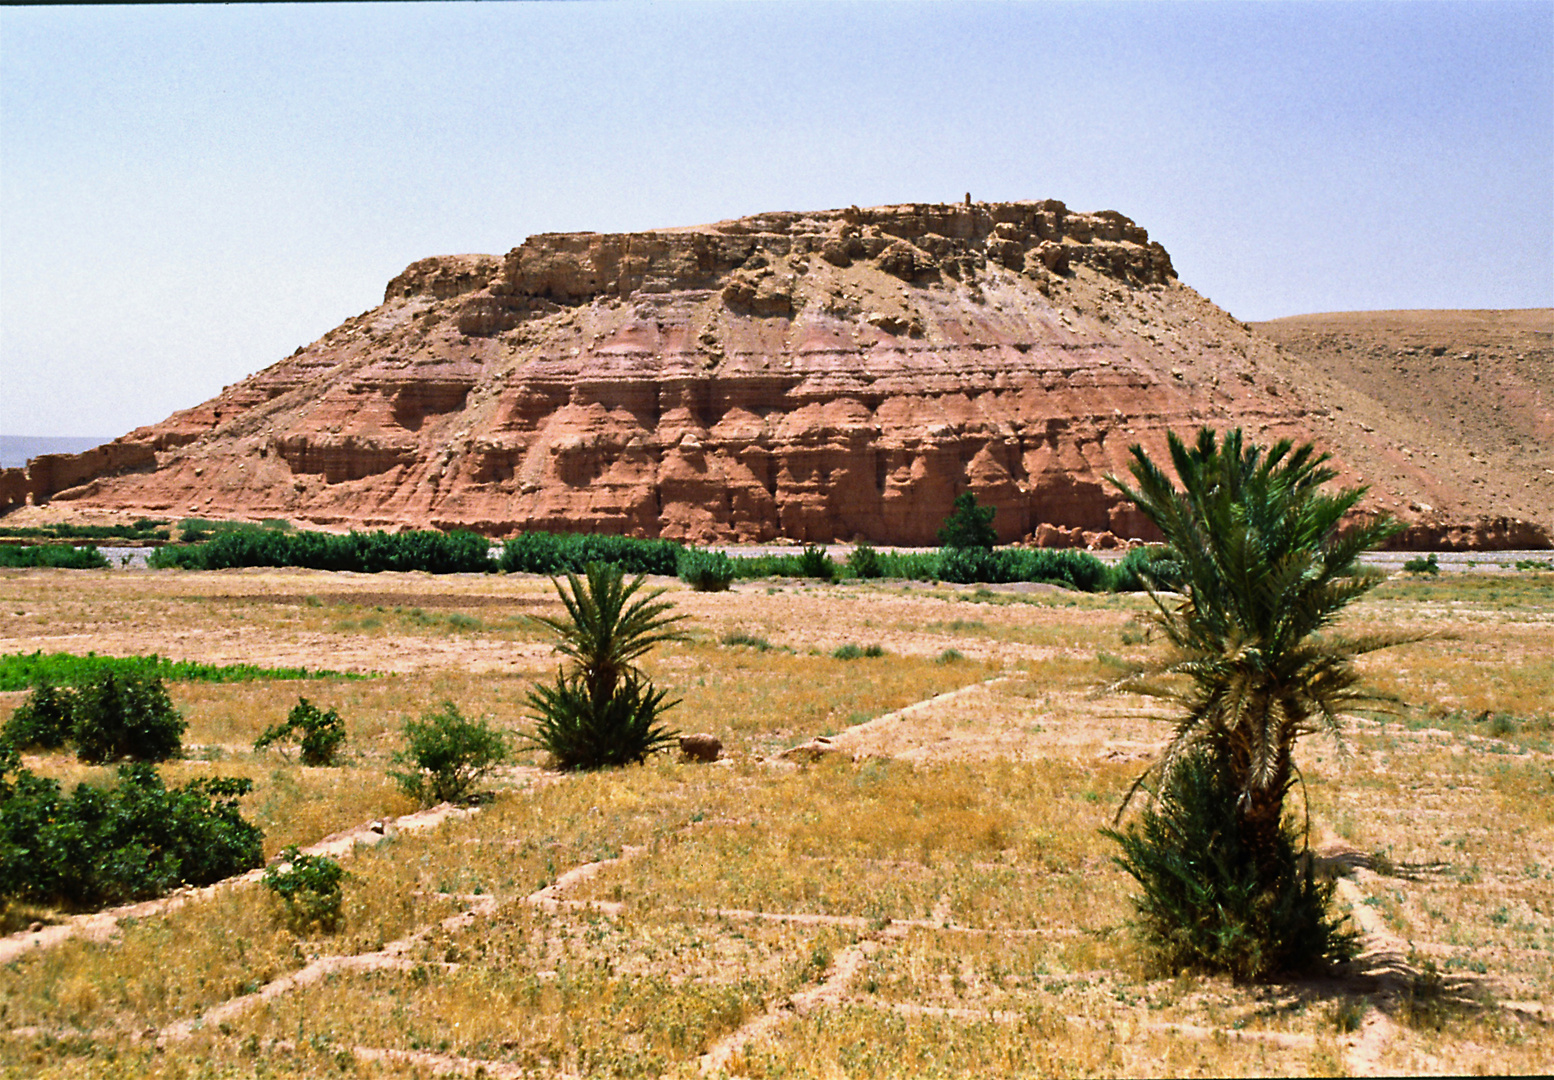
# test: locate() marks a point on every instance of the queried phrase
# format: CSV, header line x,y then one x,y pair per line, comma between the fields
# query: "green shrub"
x,y
360,552
1421,565
864,562
318,733
850,651
309,887
705,571
44,721
59,556
20,670
448,755
132,841
815,563
121,716
1202,906
969,525
1142,568
603,710
569,553
1064,566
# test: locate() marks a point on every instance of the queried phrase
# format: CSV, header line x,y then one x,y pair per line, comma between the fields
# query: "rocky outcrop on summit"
x,y
825,376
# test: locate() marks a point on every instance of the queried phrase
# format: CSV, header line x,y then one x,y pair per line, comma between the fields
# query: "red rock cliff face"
x,y
829,376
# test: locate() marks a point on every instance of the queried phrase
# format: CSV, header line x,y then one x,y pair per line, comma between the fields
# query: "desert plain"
x,y
922,892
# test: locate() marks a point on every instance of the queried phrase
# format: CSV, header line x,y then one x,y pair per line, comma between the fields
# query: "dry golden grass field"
x,y
929,898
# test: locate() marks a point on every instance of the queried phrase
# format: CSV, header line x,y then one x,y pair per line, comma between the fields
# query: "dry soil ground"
x,y
928,897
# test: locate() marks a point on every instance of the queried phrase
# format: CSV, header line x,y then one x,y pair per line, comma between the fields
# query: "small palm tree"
x,y
604,710
1257,569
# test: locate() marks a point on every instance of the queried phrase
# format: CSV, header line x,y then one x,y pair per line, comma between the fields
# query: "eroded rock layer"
x,y
828,376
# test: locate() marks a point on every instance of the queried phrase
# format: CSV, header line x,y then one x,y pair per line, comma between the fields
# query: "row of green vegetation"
x,y
18,671
59,556
146,529
570,553
362,552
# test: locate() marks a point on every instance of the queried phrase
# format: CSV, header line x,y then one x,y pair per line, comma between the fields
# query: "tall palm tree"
x,y
1258,566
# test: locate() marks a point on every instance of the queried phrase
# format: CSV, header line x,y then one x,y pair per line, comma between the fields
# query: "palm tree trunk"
x,y
1261,815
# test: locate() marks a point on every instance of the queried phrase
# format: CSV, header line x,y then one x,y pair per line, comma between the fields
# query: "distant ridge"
x,y
17,450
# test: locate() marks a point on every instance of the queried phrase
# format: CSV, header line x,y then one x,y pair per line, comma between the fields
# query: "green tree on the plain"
x,y
969,525
1259,564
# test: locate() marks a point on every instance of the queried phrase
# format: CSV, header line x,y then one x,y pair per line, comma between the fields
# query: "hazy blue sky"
x,y
189,193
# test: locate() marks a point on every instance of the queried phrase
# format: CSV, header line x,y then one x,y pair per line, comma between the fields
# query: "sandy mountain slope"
x,y
1471,391
821,376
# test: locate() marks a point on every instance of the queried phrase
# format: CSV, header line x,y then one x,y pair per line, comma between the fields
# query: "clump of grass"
x,y
742,637
705,571
864,562
1348,1013
950,656
815,563
852,651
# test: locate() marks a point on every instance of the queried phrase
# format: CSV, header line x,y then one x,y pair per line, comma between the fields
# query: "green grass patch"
x,y
18,671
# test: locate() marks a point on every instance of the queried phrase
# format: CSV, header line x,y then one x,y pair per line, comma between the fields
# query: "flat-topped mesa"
x,y
835,375
918,244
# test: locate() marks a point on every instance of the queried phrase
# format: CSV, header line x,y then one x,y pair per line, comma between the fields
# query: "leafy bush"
x,y
59,556
1142,568
20,670
121,716
1065,566
448,755
1421,565
604,710
361,552
851,651
969,526
309,886
864,562
569,553
318,733
1203,905
44,721
135,840
705,571
815,563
